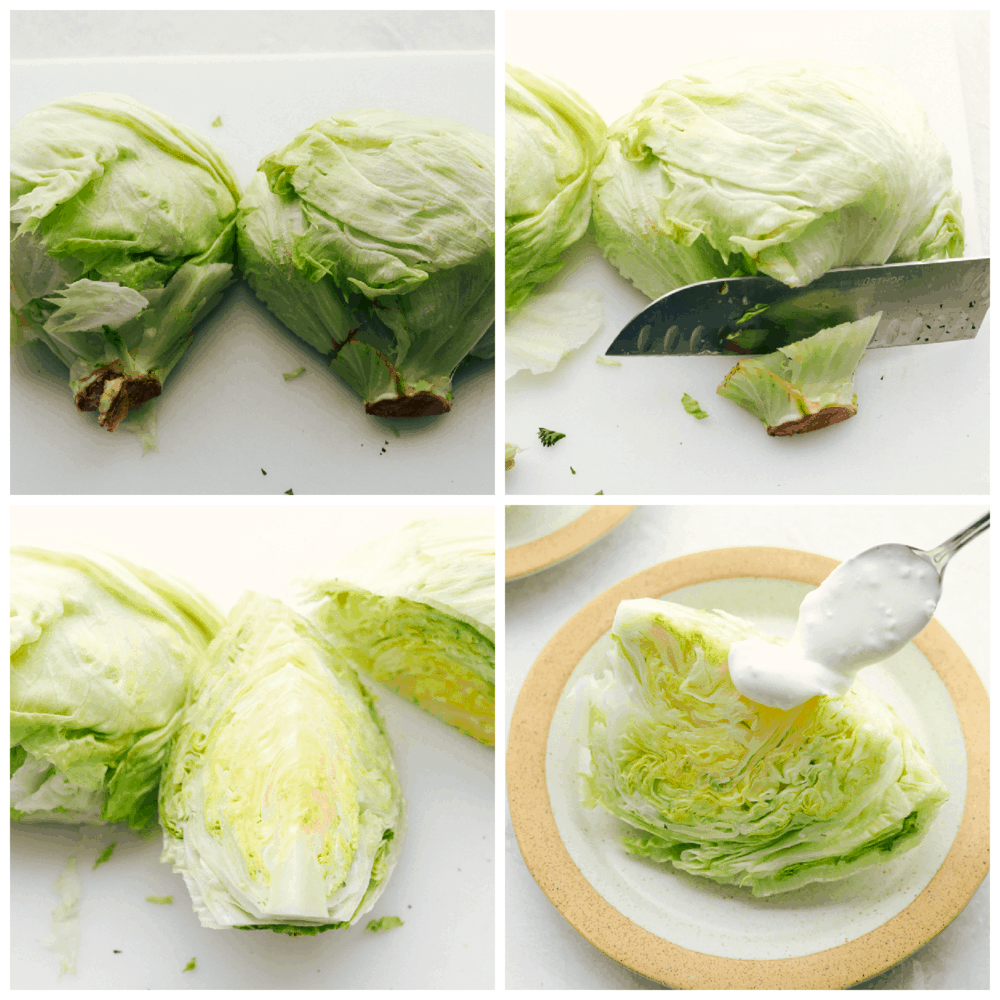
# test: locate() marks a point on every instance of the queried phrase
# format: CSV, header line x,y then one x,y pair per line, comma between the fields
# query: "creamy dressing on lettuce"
x,y
867,609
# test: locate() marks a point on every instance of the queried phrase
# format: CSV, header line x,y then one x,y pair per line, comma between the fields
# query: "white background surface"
x,y
226,412
542,949
442,887
923,412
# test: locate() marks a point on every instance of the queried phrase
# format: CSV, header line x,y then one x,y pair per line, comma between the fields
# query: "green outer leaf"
x,y
554,140
18,755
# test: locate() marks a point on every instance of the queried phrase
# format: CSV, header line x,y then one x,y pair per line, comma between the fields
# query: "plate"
x,y
690,933
546,535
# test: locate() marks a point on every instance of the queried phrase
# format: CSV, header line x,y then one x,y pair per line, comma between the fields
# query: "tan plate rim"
x,y
960,874
550,549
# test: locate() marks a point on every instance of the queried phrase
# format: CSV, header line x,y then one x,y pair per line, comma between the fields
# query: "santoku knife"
x,y
922,303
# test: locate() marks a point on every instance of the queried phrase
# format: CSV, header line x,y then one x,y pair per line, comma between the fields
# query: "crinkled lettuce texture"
x,y
123,227
100,656
416,611
784,168
553,142
806,385
371,237
280,804
550,326
724,788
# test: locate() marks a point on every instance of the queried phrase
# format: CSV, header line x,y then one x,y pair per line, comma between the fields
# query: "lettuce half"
x,y
553,142
371,237
123,234
416,611
100,656
785,168
280,804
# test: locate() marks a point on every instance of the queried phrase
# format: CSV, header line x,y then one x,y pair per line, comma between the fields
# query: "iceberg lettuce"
x,y
733,791
100,656
550,326
280,803
785,168
553,142
371,237
123,231
416,611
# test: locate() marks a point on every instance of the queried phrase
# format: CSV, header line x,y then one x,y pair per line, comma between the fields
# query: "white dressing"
x,y
867,609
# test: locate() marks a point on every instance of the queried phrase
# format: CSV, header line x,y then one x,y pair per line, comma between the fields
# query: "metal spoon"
x,y
939,557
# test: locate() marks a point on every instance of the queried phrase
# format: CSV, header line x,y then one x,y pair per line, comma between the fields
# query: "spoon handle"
x,y
946,550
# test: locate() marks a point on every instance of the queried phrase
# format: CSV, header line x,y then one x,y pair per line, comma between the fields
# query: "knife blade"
x,y
927,302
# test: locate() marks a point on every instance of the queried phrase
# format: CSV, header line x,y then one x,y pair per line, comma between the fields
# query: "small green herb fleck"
x,y
691,405
571,469
611,362
105,855
599,493
189,967
549,438
290,375
217,123
383,924
289,493
159,899
262,472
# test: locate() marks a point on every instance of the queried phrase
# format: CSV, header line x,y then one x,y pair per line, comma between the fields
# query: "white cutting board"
x,y
923,412
226,412
442,887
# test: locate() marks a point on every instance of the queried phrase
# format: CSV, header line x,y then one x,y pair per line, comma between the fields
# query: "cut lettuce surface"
x,y
101,653
280,804
416,611
730,790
